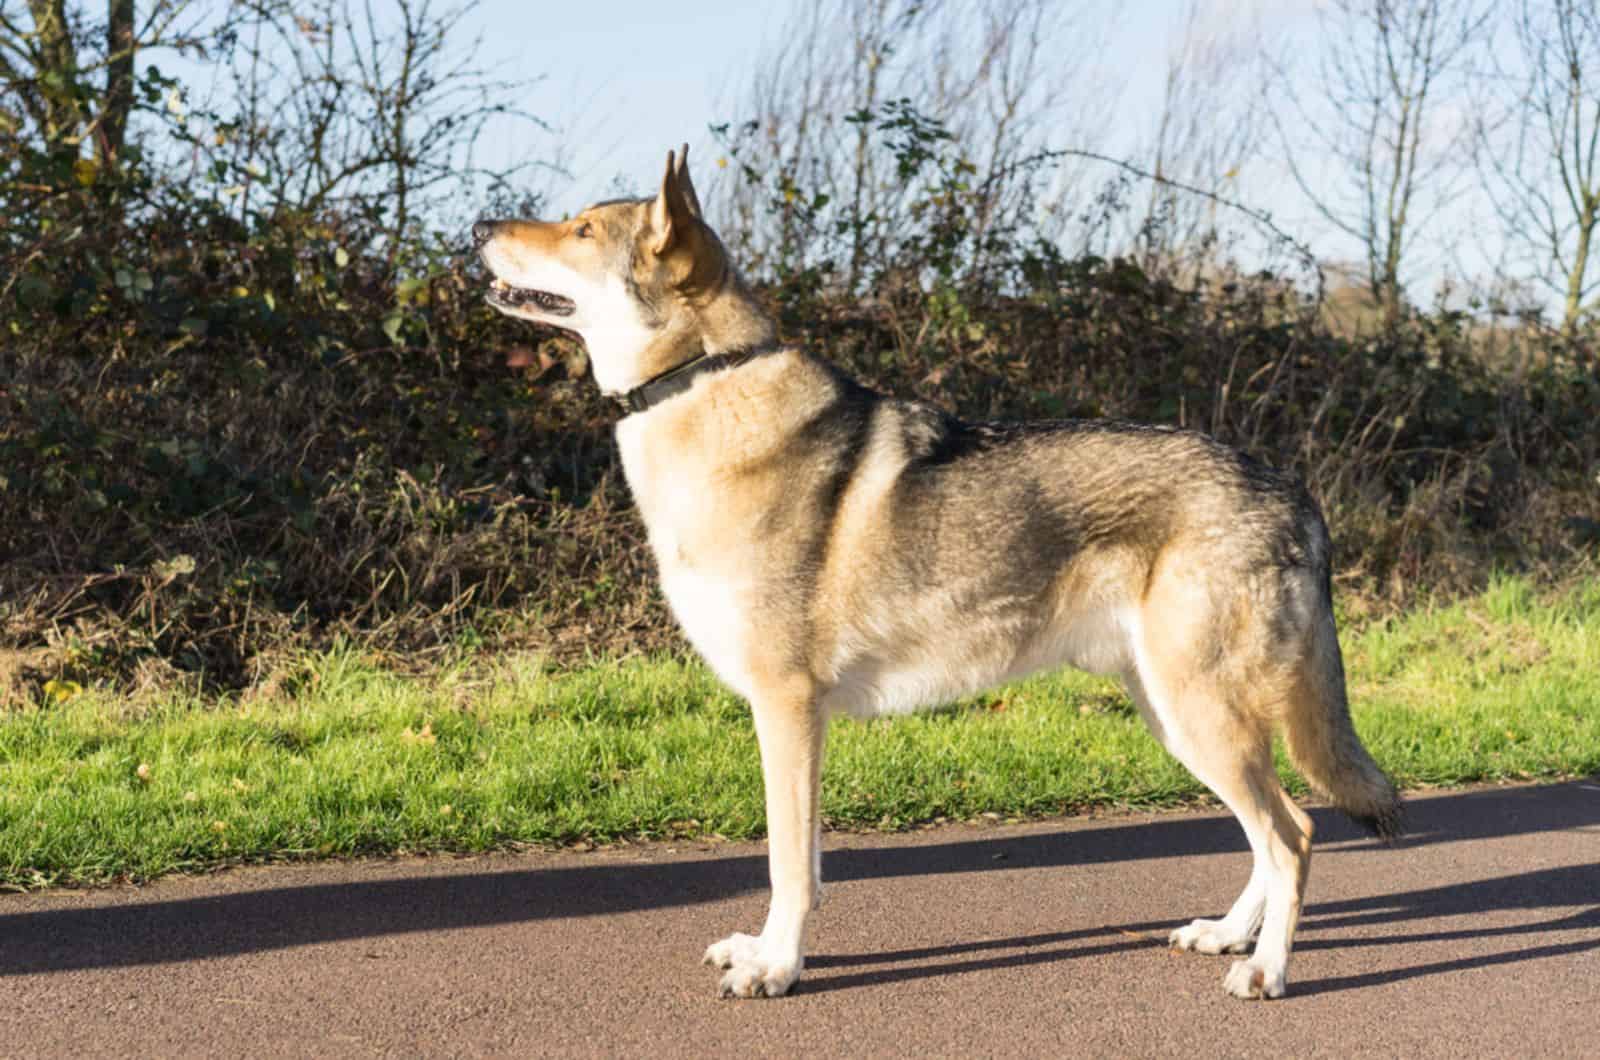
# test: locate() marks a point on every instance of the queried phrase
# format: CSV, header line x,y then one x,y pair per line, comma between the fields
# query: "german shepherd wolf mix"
x,y
831,550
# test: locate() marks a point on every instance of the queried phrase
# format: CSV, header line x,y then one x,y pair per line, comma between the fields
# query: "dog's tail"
x,y
1322,741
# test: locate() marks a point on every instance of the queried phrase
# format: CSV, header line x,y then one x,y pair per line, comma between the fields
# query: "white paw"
x,y
1209,936
759,978
735,949
752,972
1248,980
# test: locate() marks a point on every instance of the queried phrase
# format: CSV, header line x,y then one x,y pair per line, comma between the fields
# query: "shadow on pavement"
x,y
1552,888
185,929
1556,888
1031,955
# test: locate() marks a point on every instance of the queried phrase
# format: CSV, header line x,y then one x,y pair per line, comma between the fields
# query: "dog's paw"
x,y
751,971
759,978
1208,936
735,949
1249,980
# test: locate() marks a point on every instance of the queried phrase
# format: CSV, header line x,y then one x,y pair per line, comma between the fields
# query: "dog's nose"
x,y
482,231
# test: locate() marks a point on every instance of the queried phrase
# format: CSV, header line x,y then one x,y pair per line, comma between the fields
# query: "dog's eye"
x,y
584,231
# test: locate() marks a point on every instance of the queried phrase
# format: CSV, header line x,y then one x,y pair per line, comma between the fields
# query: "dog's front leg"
x,y
790,731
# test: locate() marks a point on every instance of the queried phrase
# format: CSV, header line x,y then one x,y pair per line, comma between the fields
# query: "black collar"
x,y
675,381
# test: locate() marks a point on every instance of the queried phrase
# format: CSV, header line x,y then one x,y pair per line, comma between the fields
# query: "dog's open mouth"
x,y
503,295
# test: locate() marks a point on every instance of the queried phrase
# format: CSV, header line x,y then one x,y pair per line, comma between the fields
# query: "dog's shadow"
x,y
257,920
1549,888
1445,819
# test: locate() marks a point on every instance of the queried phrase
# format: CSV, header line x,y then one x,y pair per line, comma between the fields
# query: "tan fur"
x,y
832,551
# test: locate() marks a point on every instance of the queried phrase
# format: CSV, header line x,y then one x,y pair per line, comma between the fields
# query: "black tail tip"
x,y
1388,824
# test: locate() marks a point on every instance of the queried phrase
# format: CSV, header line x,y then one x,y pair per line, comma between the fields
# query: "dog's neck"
x,y
730,320
675,381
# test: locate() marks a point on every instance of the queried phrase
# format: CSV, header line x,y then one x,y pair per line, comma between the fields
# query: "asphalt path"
x,y
1479,936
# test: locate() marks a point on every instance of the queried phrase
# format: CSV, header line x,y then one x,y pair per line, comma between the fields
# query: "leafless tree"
x,y
1537,147
342,102
1208,131
1375,114
825,168
67,79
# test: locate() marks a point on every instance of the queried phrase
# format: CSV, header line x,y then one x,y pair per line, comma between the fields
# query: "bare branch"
x,y
1535,147
1384,66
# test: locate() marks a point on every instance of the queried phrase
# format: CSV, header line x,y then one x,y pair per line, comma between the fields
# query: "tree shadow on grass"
x,y
163,930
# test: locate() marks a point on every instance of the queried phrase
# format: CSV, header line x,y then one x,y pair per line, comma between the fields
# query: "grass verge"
x,y
348,759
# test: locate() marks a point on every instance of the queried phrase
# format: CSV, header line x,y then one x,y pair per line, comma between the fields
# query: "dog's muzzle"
x,y
503,295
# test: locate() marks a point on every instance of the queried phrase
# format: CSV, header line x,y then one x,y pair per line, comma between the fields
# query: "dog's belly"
x,y
872,687
881,678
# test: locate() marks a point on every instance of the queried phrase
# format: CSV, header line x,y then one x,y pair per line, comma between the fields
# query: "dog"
x,y
829,550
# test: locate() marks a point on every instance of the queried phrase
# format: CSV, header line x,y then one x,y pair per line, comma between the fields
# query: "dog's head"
x,y
627,276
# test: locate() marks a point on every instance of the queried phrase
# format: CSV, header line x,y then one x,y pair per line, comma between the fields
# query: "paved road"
x,y
1479,937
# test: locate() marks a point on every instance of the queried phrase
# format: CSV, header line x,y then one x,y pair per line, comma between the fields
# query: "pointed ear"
x,y
676,209
685,184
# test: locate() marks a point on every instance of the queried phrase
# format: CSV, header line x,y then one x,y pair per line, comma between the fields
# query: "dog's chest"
x,y
708,590
711,612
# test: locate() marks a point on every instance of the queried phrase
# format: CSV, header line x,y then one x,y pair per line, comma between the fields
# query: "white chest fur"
x,y
710,599
711,611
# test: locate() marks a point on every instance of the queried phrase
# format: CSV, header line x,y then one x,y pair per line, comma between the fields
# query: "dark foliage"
x,y
223,442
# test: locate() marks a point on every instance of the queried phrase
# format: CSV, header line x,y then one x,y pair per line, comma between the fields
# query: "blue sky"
x,y
623,80
620,81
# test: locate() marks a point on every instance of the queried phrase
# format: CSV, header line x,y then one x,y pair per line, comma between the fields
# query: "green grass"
x,y
349,759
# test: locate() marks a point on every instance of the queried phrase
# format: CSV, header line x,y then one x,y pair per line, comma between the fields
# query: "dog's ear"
x,y
686,185
676,211
693,257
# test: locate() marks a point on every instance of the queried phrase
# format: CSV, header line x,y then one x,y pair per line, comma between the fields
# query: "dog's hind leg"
x,y
790,730
1230,752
